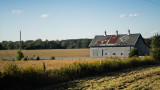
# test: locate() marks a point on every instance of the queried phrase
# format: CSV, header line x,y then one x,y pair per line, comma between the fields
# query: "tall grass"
x,y
36,77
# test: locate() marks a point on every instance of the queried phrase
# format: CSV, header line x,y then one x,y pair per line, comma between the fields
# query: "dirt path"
x,y
139,78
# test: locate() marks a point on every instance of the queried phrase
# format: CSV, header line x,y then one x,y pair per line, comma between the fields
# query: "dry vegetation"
x,y
47,53
130,74
139,78
50,64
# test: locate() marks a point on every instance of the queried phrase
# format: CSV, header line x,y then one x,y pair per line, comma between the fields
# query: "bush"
x,y
52,58
10,69
31,58
38,58
133,53
20,55
25,59
155,53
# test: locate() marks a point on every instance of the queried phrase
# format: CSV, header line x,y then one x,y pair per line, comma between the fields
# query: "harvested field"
x,y
47,53
145,78
50,64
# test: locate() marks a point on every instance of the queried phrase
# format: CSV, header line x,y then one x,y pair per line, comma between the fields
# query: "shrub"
x,y
133,53
10,69
25,58
155,53
20,55
52,58
31,58
38,58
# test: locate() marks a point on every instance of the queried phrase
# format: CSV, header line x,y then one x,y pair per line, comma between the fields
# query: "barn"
x,y
118,45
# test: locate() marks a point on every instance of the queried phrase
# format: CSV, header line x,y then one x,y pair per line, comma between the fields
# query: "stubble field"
x,y
145,78
50,64
47,53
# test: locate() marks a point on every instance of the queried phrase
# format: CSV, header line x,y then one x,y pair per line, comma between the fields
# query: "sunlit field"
x,y
130,79
50,64
47,53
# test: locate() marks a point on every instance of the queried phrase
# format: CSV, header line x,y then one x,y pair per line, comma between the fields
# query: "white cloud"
x,y
135,15
129,15
44,16
123,15
17,11
154,32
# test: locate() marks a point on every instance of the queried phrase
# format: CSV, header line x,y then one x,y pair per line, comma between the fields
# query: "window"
x,y
121,53
105,53
114,53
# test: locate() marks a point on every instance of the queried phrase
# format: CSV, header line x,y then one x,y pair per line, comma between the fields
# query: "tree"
x,y
134,52
148,41
155,51
1,47
39,44
85,43
20,55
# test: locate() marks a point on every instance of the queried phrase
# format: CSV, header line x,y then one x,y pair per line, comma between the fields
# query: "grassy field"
x,y
129,79
50,64
47,53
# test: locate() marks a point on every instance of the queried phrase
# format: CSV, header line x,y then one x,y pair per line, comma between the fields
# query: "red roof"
x,y
110,40
113,39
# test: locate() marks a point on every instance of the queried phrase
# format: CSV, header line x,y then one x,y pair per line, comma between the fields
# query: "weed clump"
x,y
52,58
11,70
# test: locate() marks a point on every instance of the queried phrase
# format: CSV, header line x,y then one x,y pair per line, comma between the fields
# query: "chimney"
x,y
117,32
128,32
105,33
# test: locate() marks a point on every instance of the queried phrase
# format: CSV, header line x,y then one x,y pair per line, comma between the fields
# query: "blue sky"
x,y
73,19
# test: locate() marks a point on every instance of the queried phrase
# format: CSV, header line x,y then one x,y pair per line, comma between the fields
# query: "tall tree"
x,y
155,52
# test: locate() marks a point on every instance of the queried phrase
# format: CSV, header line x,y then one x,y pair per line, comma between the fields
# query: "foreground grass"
x,y
146,77
50,64
47,53
29,78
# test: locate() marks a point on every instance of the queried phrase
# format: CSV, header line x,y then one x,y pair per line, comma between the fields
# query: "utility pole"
x,y
20,42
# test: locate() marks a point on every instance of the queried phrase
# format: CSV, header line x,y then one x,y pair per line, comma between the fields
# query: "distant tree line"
x,y
39,44
63,44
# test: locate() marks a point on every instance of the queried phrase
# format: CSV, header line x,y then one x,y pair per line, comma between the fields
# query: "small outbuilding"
x,y
118,45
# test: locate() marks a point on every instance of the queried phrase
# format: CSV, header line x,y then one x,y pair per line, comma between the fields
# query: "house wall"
x,y
110,51
142,48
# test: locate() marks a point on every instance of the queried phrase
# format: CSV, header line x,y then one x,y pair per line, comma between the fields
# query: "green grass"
x,y
30,77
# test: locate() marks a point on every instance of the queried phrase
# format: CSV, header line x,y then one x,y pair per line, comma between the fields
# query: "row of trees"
x,y
39,44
